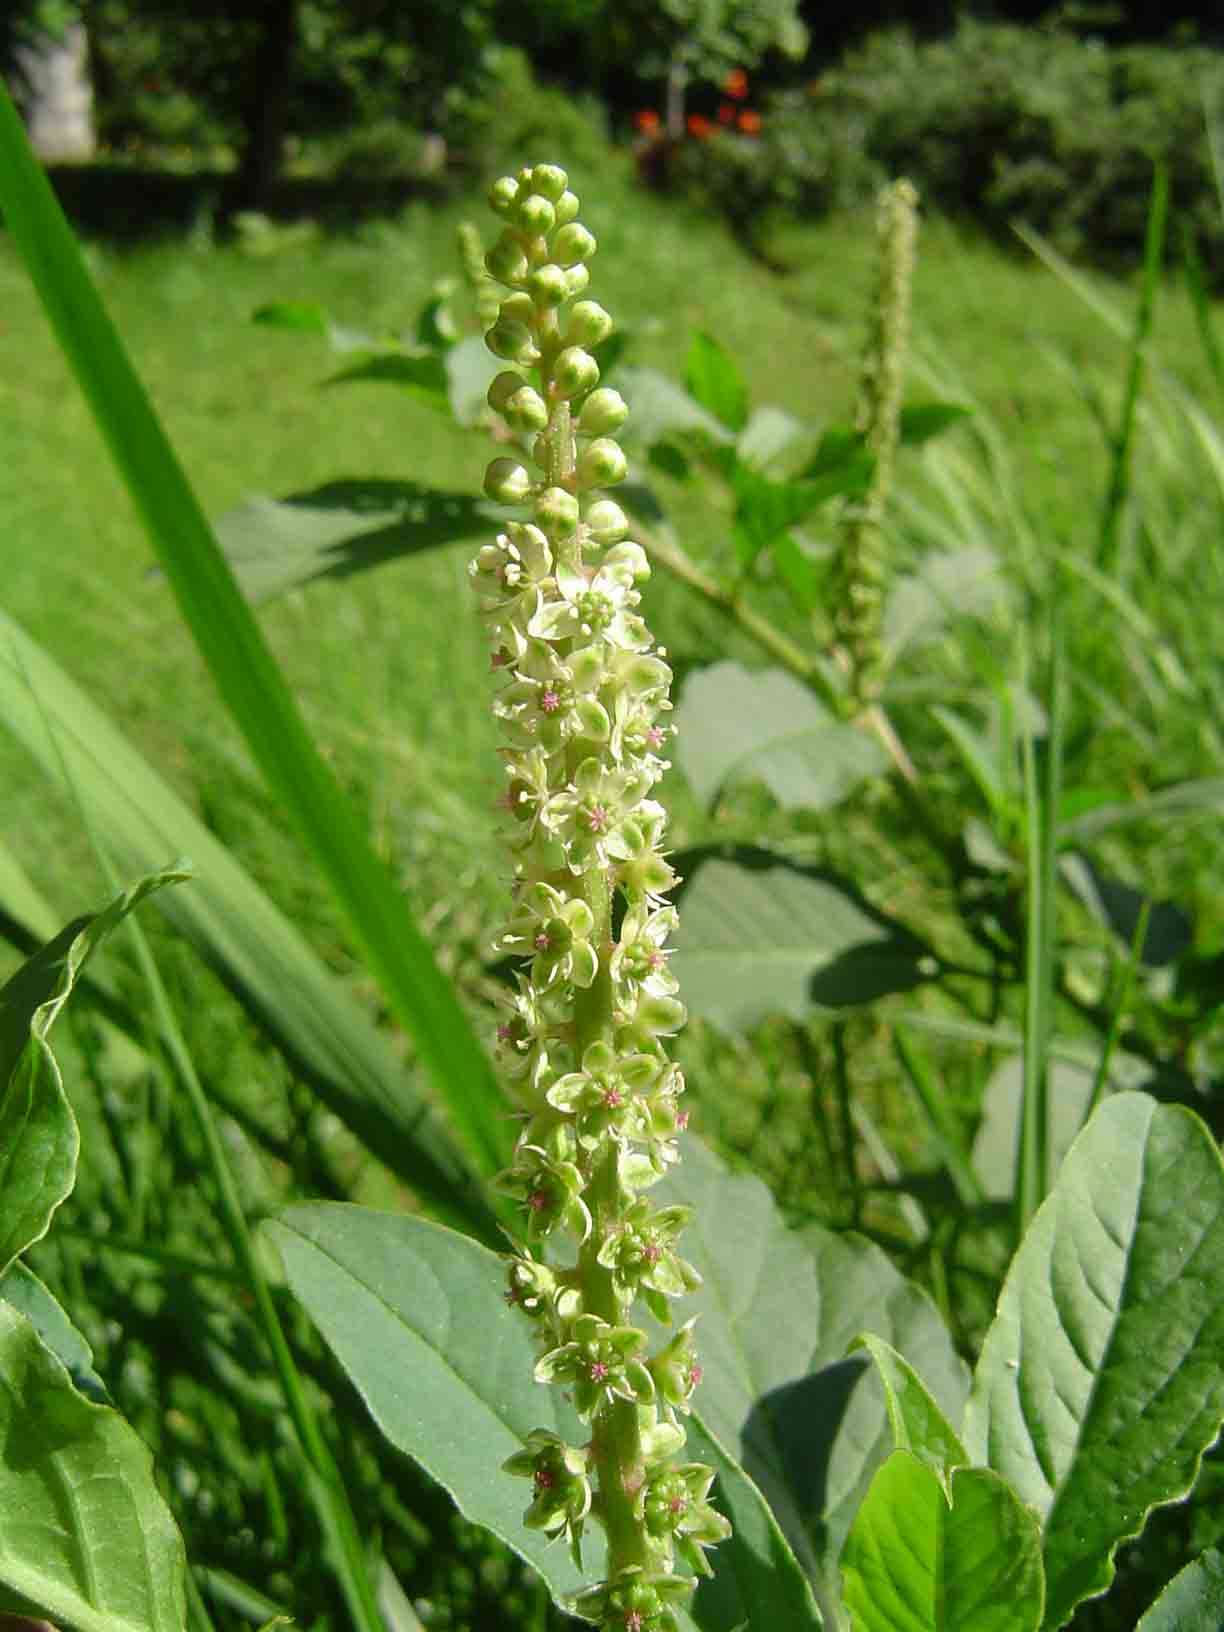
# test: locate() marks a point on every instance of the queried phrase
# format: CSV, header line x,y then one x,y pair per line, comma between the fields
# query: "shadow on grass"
x,y
124,204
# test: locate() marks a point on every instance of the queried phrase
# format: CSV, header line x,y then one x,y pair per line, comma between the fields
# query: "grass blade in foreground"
x,y
241,665
38,1132
1099,1386
254,948
918,1560
109,1559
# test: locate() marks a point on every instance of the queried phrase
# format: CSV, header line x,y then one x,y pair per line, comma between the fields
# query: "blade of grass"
x,y
1123,440
930,1095
1118,1008
293,997
1196,286
238,659
1033,1176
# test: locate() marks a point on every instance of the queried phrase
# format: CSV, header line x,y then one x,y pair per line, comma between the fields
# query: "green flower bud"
x,y
575,372
606,521
517,308
588,324
535,215
556,511
507,260
549,285
507,482
513,341
502,195
522,407
550,180
567,208
576,279
603,411
602,463
572,244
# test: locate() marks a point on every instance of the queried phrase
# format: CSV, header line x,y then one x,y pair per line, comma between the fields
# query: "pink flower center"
x,y
695,1375
543,1479
598,1371
613,1098
652,1253
677,1505
654,736
655,959
504,1033
682,1120
550,702
499,659
541,942
538,1200
633,1621
596,818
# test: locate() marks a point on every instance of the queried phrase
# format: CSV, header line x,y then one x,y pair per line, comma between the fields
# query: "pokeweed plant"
x,y
882,1494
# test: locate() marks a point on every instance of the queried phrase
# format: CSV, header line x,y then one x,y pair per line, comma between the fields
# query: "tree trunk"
x,y
267,106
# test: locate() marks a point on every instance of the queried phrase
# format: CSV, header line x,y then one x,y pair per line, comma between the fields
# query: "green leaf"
x,y
470,370
797,571
1193,1601
737,723
779,1308
84,1535
424,375
916,1561
918,1425
1099,1385
38,1132
21,1288
954,583
757,1581
1190,798
978,756
299,316
920,421
660,408
341,528
766,440
764,509
251,944
397,1298
246,675
715,382
760,935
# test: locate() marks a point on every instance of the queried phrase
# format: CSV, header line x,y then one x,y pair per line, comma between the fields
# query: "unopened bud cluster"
x,y
582,709
862,562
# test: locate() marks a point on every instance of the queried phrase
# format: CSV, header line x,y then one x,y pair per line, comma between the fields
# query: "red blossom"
x,y
726,113
646,120
699,126
736,84
750,122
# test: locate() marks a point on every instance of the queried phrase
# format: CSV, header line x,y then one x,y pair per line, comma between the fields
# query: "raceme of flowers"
x,y
582,708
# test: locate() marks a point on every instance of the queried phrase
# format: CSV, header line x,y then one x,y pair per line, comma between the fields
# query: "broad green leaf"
x,y
736,723
918,1425
714,380
250,943
764,509
416,1316
919,1561
470,369
38,1132
757,1580
761,935
768,437
341,528
797,571
955,583
779,1309
1118,905
21,1288
1072,1073
250,684
1099,1385
658,407
423,375
84,1535
1193,1601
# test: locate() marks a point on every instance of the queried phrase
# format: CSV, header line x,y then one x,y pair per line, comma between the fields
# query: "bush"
x,y
995,121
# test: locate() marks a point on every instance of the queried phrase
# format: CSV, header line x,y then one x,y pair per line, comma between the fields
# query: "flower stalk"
x,y
582,706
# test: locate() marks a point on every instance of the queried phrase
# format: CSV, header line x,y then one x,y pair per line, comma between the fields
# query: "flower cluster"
x,y
582,708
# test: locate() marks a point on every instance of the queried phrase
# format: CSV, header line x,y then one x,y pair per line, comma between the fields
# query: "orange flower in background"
x,y
699,126
647,121
736,84
750,122
726,113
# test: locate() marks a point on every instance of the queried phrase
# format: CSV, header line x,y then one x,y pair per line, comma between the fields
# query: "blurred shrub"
x,y
513,118
995,121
